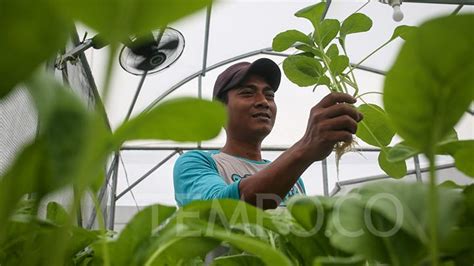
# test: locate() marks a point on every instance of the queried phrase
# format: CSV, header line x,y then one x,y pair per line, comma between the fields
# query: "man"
x,y
237,171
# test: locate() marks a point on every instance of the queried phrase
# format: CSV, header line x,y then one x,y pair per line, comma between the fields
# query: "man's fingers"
x,y
343,122
336,97
343,109
339,135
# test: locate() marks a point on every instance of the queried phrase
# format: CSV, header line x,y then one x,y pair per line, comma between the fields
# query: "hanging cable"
x,y
128,182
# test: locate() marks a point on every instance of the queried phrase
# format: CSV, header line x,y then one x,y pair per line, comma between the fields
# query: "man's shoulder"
x,y
198,154
196,157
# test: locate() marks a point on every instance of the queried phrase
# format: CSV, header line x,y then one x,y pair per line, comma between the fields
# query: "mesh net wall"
x,y
18,125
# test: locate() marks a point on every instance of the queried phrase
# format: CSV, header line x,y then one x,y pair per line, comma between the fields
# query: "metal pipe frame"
x,y
186,148
340,184
102,191
113,198
447,2
231,60
135,97
416,161
324,166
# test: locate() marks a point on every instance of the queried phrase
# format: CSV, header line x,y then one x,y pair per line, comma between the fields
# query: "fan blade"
x,y
170,45
144,65
143,45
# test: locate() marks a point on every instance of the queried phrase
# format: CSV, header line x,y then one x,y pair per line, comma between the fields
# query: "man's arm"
x,y
332,120
196,177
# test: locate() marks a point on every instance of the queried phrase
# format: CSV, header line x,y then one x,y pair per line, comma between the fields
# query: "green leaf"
x,y
393,169
462,152
339,261
313,13
28,38
312,213
451,185
57,214
403,31
116,20
200,230
21,178
265,252
302,70
332,51
74,140
323,80
389,221
312,52
375,129
237,260
29,242
339,64
286,39
468,217
125,250
400,152
182,119
453,146
459,241
171,252
355,23
463,160
327,31
59,156
436,91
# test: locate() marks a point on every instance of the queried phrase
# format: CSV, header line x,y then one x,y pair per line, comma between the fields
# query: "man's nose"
x,y
261,100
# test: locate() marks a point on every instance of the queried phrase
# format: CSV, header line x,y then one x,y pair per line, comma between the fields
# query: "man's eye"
x,y
270,95
246,92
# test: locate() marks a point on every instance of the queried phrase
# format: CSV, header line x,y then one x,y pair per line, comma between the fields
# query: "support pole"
x,y
113,198
324,165
417,168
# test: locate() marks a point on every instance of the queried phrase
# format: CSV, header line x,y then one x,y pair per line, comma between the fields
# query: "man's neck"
x,y
244,149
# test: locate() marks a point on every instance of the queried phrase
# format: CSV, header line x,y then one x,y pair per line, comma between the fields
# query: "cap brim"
x,y
263,67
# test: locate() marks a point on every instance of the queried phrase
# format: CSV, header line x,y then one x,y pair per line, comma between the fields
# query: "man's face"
x,y
251,108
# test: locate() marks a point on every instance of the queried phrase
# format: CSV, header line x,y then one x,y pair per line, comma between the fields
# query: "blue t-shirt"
x,y
205,175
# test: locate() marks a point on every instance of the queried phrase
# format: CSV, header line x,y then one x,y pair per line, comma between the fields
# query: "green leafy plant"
x,y
381,223
323,62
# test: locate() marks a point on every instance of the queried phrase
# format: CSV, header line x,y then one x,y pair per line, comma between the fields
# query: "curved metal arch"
x,y
267,51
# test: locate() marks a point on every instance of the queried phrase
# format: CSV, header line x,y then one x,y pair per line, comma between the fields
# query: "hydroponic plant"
x,y
324,62
381,223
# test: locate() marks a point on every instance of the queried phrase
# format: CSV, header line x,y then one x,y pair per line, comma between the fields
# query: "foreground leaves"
x,y
70,147
388,222
435,92
117,19
183,119
28,38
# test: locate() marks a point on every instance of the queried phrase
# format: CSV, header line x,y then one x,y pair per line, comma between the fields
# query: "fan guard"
x,y
144,54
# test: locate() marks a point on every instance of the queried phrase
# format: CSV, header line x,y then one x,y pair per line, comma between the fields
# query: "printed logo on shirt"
x,y
236,177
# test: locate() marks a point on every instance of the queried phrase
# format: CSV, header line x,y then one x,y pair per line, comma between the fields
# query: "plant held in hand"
x,y
323,62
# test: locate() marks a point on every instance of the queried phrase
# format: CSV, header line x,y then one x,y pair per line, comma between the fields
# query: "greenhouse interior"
x,y
194,43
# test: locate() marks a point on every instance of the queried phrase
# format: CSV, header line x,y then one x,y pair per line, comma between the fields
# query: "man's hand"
x,y
332,120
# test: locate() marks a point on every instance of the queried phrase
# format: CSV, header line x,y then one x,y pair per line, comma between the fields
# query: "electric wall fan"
x,y
151,52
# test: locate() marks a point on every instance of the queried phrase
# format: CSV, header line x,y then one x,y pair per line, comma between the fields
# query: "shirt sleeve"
x,y
195,177
300,182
